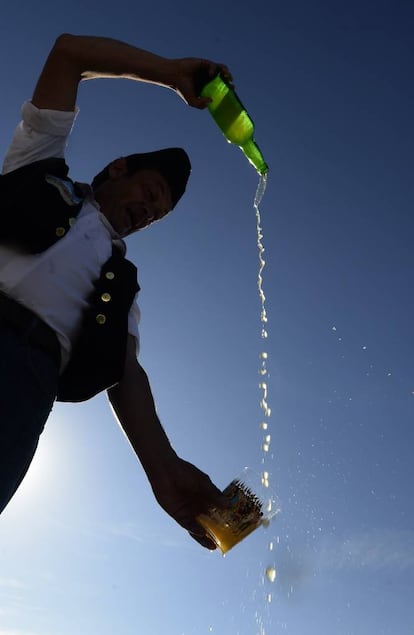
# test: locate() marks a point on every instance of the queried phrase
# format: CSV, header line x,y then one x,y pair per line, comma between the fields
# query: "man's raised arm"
x,y
76,57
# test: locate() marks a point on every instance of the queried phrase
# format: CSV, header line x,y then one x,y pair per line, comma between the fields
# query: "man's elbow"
x,y
65,44
133,378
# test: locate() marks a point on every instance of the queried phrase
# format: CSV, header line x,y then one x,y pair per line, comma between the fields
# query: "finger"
x,y
225,73
195,529
198,533
203,540
202,102
212,69
187,519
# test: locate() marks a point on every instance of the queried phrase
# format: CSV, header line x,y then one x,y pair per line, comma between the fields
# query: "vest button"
x,y
105,297
72,221
109,275
101,318
60,231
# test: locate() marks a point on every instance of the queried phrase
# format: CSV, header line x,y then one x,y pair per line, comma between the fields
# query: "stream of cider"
x,y
270,570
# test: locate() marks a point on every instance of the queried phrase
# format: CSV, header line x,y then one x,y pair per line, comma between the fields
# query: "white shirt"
x,y
56,283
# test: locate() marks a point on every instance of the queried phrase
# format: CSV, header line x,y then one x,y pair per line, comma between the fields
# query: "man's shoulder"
x,y
28,176
40,135
53,165
39,204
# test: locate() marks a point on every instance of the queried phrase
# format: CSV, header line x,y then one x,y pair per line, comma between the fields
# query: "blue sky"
x,y
84,548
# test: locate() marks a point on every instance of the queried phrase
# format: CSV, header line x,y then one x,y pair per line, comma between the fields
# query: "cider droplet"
x,y
271,574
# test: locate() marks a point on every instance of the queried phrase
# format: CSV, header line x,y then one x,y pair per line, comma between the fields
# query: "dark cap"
x,y
173,163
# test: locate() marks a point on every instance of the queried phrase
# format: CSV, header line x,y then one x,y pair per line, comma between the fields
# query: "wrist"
x,y
173,73
159,464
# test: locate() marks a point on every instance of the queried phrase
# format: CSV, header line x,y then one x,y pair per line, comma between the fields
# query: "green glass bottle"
x,y
231,117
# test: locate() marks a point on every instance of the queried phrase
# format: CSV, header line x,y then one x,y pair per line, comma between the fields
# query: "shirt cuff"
x,y
55,122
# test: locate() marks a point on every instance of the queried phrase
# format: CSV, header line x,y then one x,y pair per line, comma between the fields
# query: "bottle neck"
x,y
254,155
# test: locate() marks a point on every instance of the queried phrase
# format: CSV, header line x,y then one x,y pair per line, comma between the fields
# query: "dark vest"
x,y
39,203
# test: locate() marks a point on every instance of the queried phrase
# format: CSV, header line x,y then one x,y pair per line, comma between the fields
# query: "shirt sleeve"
x,y
41,134
133,321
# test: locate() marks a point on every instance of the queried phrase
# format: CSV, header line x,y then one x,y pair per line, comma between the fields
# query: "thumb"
x,y
202,102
